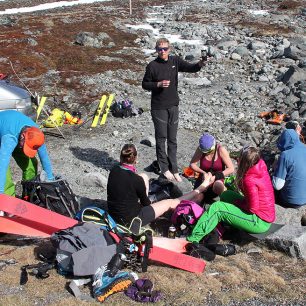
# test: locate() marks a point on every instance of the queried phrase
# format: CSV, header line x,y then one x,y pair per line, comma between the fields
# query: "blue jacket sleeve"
x,y
45,161
8,144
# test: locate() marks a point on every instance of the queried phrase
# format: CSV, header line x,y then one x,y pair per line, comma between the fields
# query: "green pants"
x,y
224,211
28,167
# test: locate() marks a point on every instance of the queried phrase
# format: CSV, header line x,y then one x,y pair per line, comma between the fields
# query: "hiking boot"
x,y
200,251
154,167
105,285
222,249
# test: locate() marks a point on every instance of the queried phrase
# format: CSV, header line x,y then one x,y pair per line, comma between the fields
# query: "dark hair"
x,y
249,156
128,154
292,125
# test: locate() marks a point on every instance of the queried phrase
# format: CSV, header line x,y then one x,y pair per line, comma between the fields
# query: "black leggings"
x,y
147,215
165,125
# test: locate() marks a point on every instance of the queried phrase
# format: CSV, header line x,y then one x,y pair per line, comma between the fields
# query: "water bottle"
x,y
172,232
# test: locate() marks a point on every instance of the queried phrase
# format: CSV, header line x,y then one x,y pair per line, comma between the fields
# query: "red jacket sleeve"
x,y
250,192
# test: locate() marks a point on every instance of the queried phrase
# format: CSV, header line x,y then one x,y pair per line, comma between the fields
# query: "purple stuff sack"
x,y
142,291
190,212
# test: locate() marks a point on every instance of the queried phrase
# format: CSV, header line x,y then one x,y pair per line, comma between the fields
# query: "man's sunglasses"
x,y
162,49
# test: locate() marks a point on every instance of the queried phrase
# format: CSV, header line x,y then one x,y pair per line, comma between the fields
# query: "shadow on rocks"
x,y
98,158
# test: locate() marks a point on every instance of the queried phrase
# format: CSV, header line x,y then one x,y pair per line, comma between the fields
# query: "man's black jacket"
x,y
158,70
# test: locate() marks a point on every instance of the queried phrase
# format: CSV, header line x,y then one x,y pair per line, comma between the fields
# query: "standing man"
x,y
21,138
161,78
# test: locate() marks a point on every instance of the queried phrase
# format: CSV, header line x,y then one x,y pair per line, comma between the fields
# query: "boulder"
x,y
290,239
293,75
94,179
290,216
89,39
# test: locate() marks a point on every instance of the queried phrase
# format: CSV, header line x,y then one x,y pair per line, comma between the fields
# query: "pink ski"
x,y
31,212
176,245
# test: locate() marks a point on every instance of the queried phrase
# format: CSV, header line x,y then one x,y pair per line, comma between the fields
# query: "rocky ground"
x,y
257,63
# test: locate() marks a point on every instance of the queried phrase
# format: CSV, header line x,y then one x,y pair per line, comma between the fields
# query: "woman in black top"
x,y
127,192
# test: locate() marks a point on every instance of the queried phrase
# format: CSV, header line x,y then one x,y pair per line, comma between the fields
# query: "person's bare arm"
x,y
194,161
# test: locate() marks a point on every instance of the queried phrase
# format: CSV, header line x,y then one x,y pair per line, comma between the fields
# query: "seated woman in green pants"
x,y
254,211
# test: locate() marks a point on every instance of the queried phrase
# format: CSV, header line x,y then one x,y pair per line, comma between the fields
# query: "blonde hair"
x,y
249,156
128,154
162,40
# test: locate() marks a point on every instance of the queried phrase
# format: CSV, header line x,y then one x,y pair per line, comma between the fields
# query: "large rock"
x,y
293,75
290,216
225,44
92,40
289,239
94,179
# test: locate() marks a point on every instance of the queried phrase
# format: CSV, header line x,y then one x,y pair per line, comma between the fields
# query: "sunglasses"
x,y
158,49
207,151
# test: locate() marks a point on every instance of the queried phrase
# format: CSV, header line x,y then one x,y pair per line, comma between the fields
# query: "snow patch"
x,y
47,6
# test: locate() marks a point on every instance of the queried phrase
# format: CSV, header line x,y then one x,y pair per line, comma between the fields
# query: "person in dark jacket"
x,y
127,192
161,78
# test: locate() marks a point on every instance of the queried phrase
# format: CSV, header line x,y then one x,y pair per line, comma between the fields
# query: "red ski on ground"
x,y
174,259
19,226
34,213
176,245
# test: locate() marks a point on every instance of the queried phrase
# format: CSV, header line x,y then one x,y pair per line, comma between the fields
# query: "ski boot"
x,y
105,285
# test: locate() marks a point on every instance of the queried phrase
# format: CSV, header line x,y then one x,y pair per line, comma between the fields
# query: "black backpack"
x,y
161,189
55,195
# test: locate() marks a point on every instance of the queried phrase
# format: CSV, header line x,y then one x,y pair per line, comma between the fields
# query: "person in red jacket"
x,y
252,211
